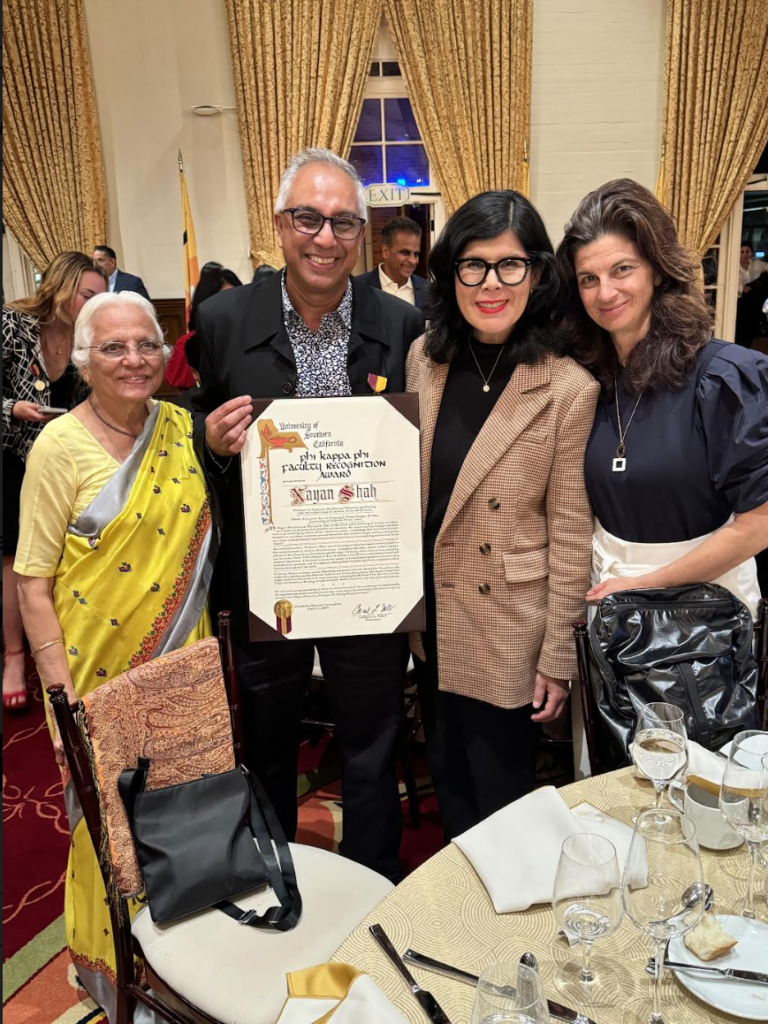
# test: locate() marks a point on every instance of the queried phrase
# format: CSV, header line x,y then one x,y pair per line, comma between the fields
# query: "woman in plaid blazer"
x,y
507,526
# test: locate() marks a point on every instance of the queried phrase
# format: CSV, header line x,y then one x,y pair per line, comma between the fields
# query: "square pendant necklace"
x,y
619,463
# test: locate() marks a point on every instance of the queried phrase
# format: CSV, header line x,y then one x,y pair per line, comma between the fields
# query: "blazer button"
x,y
494,504
484,588
287,388
485,549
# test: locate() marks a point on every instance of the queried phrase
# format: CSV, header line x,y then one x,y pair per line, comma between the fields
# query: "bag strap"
x,y
266,830
130,783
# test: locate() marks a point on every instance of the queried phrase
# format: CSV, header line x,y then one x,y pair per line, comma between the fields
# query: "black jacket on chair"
x,y
373,280
245,350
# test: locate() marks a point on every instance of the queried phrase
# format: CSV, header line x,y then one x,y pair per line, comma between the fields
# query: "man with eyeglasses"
x,y
309,330
400,254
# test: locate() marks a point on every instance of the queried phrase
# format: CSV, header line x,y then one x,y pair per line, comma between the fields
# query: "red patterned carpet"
x,y
39,981
35,828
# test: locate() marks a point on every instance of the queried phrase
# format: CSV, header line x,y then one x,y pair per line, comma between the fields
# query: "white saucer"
x,y
751,954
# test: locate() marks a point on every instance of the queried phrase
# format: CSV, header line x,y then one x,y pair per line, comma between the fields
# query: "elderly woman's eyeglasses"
x,y
119,349
307,221
473,271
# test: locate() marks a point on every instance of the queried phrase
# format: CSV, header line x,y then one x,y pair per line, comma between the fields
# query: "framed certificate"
x,y
332,503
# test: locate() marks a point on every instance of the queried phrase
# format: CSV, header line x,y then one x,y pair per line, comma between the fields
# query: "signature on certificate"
x,y
371,612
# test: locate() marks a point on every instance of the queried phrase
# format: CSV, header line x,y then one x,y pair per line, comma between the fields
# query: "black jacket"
x,y
130,283
373,280
245,350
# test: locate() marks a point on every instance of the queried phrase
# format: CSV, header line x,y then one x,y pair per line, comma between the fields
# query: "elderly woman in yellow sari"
x,y
114,555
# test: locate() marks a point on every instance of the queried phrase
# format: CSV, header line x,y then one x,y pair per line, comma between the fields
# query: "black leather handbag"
x,y
202,843
690,646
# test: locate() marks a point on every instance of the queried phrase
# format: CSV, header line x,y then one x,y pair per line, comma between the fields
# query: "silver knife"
x,y
426,1000
724,972
555,1009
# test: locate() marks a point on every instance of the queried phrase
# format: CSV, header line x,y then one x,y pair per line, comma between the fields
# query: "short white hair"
x,y
85,331
318,155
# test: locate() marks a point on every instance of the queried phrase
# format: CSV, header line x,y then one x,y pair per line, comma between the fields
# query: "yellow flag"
x,y
189,243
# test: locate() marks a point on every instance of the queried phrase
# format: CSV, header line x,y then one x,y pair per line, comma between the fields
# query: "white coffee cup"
x,y
701,806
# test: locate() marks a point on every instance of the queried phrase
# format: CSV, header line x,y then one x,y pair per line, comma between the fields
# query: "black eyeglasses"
x,y
511,270
345,226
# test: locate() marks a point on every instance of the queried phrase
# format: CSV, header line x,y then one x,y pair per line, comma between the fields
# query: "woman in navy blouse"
x,y
677,462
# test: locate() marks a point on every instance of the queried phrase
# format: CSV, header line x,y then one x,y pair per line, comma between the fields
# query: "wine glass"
x,y
744,799
509,994
665,847
660,746
587,903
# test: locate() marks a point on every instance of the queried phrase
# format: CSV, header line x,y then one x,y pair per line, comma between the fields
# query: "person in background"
x,y
115,534
37,375
507,525
677,461
119,280
750,268
192,354
213,278
263,270
308,331
400,252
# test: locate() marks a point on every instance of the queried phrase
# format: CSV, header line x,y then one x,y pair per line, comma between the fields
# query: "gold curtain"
x,y
300,69
467,65
716,110
54,191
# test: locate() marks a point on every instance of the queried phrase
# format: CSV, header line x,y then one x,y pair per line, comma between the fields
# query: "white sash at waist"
x,y
614,557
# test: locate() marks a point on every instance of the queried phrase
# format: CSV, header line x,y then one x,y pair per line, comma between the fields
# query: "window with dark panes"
x,y
387,146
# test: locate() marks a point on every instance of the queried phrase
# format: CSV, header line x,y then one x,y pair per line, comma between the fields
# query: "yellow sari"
x,y
132,584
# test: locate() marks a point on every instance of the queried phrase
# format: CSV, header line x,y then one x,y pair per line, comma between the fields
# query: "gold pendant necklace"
x,y
619,463
486,380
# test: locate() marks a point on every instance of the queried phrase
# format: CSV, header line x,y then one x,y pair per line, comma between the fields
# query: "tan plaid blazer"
x,y
512,558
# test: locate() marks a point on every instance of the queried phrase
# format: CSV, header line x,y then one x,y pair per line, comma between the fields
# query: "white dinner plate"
x,y
751,954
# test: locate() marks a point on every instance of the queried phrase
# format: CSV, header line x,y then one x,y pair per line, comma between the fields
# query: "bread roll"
x,y
708,940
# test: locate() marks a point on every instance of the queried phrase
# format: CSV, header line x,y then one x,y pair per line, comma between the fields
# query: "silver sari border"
x,y
113,497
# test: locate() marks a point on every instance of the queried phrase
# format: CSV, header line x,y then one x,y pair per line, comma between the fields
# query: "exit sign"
x,y
386,195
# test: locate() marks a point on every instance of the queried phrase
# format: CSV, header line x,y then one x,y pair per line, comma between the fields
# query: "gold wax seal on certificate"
x,y
283,613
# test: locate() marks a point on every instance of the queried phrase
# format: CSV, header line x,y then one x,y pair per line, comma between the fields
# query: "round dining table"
x,y
443,910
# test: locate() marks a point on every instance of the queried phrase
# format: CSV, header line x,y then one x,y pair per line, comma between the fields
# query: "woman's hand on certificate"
x,y
550,695
225,427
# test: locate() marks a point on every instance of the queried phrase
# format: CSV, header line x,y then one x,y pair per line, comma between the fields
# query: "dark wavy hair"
x,y
486,216
213,277
681,320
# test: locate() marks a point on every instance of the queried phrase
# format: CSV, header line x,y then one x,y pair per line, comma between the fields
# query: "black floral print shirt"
x,y
321,359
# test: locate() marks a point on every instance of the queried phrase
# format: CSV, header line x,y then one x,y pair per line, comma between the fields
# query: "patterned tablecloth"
x,y
443,910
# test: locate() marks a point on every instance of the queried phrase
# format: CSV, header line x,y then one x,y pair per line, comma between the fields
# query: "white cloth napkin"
x,y
516,850
705,765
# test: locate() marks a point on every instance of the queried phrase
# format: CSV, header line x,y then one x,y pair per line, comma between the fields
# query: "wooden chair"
x,y
589,711
203,969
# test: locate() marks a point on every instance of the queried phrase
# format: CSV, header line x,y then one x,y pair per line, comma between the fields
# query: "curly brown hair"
x,y
681,320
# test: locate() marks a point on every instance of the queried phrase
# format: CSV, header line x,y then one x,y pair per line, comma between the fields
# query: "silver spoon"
x,y
530,961
692,895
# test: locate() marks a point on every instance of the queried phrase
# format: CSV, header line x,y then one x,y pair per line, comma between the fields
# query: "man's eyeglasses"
x,y
345,226
119,349
473,271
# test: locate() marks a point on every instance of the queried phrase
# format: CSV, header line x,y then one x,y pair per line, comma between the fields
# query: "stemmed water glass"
x,y
744,799
660,746
664,846
509,994
587,903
